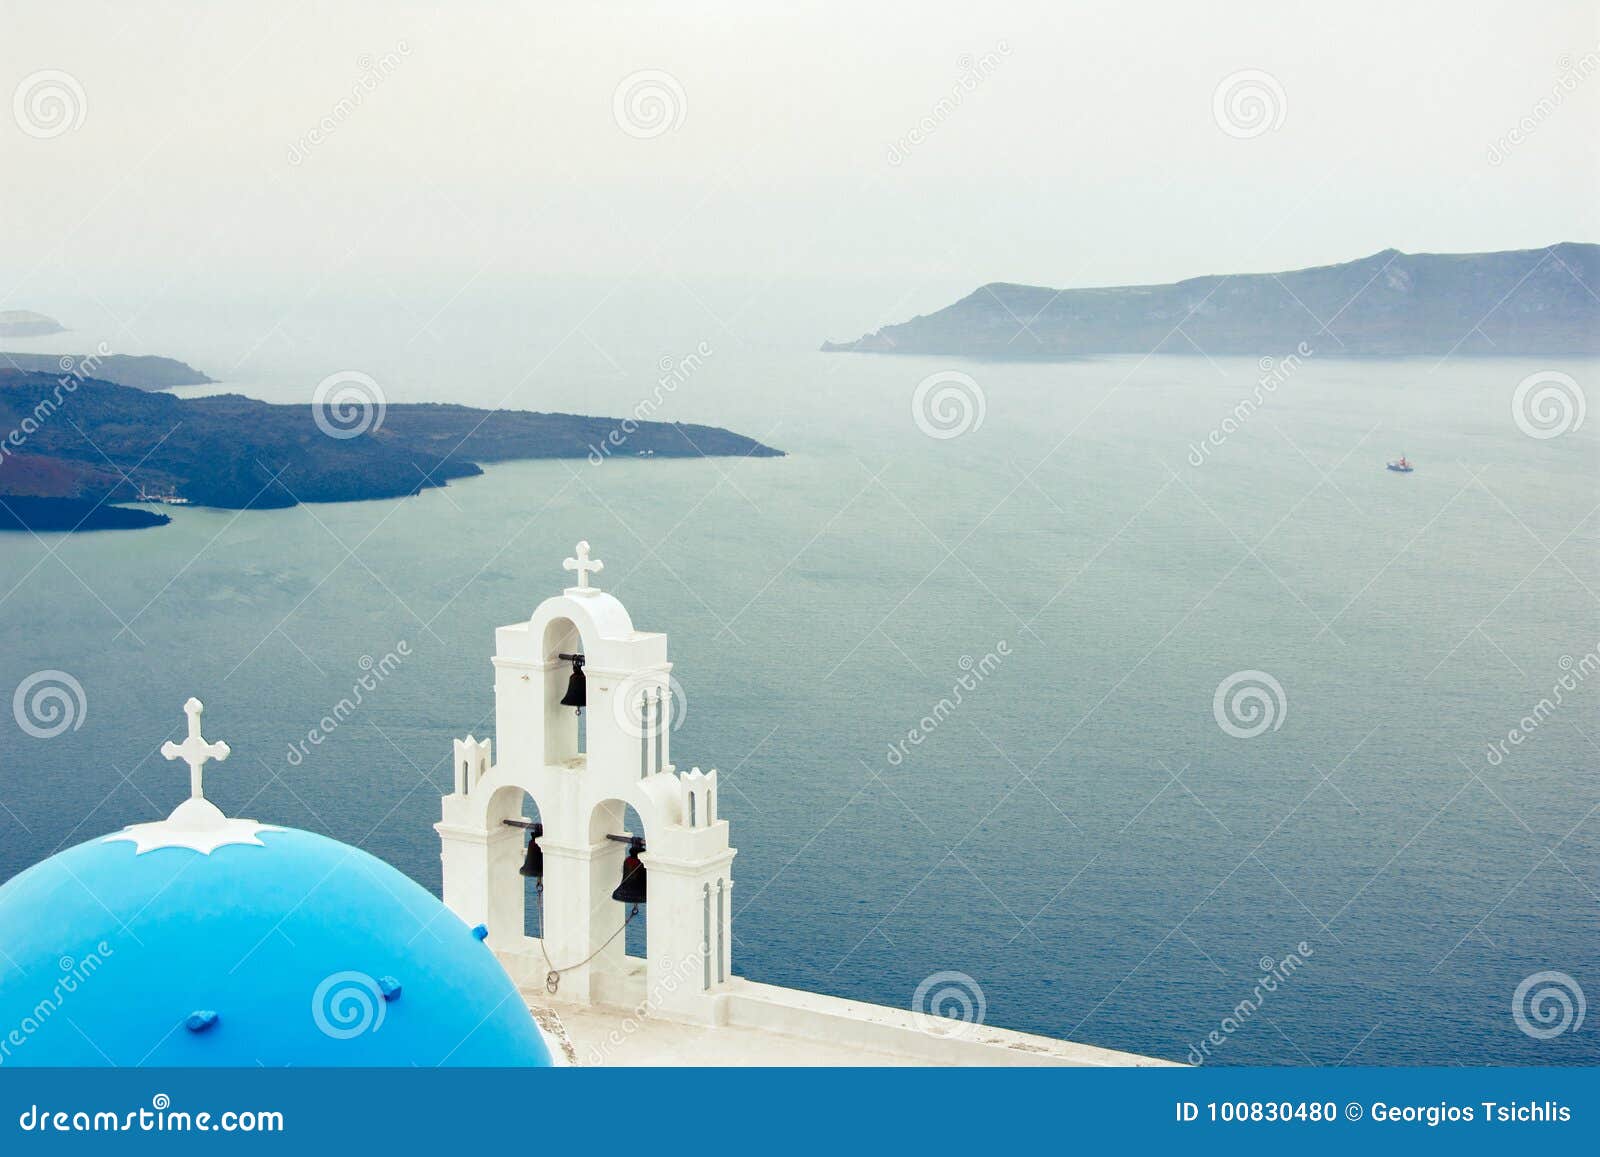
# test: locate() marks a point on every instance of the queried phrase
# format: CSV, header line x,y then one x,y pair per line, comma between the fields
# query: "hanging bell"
x,y
577,695
632,888
533,863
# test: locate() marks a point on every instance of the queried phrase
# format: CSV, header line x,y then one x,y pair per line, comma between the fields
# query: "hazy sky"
x,y
1089,152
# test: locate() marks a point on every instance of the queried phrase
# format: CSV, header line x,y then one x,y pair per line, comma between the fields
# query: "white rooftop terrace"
x,y
767,1025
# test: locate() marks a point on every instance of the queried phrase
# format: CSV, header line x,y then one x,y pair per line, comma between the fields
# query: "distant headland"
x,y
72,447
1525,301
141,372
26,323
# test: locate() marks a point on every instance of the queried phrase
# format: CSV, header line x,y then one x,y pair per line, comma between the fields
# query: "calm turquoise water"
x,y
820,605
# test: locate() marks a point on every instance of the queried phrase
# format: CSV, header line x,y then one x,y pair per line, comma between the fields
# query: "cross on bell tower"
x,y
584,566
195,750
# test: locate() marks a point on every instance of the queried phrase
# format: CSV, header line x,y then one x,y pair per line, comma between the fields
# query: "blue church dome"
x,y
201,940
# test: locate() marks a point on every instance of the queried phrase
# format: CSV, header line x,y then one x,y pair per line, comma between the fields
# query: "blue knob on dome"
x,y
390,987
480,932
200,1020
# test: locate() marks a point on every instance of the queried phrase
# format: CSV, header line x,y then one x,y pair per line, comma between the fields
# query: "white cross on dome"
x,y
195,750
196,823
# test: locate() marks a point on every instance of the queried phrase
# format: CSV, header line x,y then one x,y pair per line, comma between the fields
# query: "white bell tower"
x,y
580,778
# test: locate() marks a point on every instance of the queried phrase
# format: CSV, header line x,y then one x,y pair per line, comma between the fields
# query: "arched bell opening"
x,y
624,876
564,692
531,870
516,865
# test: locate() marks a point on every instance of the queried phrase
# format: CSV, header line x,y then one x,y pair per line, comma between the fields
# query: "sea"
x,y
1128,699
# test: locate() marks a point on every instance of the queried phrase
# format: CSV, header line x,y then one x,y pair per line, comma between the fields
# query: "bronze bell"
x,y
533,863
632,888
577,694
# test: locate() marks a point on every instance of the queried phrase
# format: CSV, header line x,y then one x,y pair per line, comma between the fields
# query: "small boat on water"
x,y
1400,465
